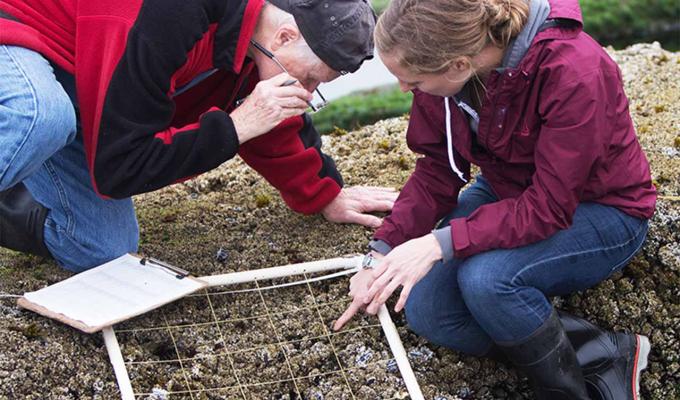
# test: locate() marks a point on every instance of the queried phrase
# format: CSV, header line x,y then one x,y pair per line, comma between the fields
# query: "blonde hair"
x,y
427,35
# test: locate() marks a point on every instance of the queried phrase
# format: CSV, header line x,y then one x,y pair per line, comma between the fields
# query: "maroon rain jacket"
x,y
554,131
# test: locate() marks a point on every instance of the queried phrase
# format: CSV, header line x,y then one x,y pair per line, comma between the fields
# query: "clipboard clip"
x,y
179,272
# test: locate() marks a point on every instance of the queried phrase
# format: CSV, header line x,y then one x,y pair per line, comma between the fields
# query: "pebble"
x,y
265,356
464,392
317,396
98,386
222,255
670,152
392,366
421,355
158,394
364,357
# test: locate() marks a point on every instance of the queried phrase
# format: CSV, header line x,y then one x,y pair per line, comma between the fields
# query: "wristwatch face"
x,y
368,262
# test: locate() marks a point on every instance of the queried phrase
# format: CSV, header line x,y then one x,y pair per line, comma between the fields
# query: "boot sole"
x,y
641,353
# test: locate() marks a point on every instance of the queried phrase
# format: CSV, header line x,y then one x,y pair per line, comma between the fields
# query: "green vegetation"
x,y
362,108
379,5
623,22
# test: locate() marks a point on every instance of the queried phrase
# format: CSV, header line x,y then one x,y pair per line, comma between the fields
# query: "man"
x,y
103,100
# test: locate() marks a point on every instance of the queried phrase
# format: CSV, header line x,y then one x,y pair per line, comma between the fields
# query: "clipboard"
x,y
118,290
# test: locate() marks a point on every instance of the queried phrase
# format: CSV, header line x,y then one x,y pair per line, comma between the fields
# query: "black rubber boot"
x,y
548,359
611,362
22,222
495,353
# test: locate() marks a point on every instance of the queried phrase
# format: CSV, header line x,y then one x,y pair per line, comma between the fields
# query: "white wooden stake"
x,y
400,356
126,392
282,271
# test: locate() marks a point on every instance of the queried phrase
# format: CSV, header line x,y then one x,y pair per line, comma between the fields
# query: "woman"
x,y
562,201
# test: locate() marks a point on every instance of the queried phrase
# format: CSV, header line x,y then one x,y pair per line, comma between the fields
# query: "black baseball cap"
x,y
340,32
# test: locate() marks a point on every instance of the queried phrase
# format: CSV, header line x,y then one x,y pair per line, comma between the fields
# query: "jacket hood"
x,y
539,10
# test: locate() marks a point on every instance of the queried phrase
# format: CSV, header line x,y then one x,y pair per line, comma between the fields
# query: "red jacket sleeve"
x,y
573,106
123,83
432,190
127,55
290,159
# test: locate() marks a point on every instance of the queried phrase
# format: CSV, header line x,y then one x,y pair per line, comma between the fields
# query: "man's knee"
x,y
37,125
83,253
55,121
91,257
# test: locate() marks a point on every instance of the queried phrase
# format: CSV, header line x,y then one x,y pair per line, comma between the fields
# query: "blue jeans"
x,y
502,295
41,146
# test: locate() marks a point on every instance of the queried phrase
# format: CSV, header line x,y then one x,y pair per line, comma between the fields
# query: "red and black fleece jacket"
x,y
129,57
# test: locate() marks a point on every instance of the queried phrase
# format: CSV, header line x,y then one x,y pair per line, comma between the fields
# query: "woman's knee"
x,y
426,301
419,313
482,282
430,318
432,323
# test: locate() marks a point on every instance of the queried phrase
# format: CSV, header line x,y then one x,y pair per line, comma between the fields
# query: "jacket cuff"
x,y
231,142
460,238
380,246
327,193
443,236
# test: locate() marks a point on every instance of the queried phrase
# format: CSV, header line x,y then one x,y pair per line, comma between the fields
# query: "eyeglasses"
x,y
315,107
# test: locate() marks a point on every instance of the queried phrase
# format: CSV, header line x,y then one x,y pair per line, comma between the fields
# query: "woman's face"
x,y
444,84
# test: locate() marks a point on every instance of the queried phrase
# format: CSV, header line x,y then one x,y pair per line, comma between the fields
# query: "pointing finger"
x,y
346,316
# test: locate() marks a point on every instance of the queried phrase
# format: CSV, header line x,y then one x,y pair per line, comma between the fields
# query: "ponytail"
x,y
505,20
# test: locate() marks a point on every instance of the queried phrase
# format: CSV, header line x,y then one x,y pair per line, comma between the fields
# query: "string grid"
x,y
262,342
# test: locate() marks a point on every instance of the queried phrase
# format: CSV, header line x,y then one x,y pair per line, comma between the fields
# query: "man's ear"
x,y
285,35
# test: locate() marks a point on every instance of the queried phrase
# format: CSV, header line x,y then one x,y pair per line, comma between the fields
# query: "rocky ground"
x,y
231,220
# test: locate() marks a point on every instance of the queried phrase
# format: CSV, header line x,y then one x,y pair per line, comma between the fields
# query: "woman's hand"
x,y
268,105
404,266
358,288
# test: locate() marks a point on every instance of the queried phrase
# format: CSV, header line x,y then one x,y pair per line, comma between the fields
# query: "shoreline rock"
x,y
224,212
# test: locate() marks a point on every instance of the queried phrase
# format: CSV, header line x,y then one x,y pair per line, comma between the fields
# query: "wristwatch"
x,y
369,262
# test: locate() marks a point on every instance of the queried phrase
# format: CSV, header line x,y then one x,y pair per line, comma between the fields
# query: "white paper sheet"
x,y
112,292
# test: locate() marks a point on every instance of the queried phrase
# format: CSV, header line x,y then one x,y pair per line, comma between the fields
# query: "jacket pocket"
x,y
523,143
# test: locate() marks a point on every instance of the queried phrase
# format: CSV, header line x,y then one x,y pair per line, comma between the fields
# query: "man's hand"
x,y
268,105
352,204
358,289
404,266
